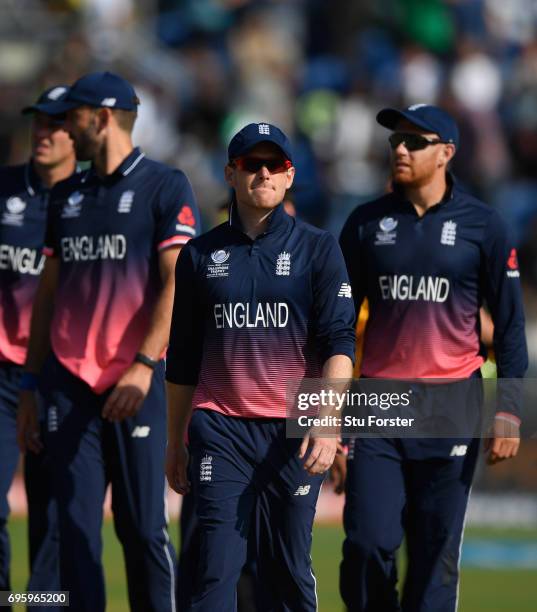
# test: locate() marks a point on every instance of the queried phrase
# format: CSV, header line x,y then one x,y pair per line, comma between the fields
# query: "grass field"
x,y
481,590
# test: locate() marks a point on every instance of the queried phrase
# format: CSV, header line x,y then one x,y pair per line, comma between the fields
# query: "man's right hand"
x,y
176,468
28,431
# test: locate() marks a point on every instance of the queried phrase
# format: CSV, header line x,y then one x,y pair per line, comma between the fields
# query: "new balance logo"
x,y
345,291
459,450
108,102
264,128
449,233
303,490
140,431
283,264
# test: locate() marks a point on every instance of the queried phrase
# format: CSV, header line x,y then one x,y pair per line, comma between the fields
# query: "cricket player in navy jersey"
x,y
24,192
262,305
105,299
426,256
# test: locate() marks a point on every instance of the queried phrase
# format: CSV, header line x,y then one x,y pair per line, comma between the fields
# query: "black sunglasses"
x,y
254,164
413,142
49,121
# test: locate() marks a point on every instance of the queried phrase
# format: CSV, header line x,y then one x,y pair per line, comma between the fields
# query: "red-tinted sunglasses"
x,y
254,164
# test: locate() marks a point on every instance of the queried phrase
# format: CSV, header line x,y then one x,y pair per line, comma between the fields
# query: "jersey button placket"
x,y
254,266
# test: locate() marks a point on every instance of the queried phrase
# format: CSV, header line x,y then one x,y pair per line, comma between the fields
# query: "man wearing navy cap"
x,y
425,256
264,300
113,236
24,192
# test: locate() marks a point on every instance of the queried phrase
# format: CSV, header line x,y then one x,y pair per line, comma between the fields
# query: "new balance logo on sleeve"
x,y
303,490
345,291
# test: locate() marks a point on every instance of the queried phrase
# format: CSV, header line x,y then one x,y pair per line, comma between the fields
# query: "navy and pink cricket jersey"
x,y
255,314
426,279
23,214
107,233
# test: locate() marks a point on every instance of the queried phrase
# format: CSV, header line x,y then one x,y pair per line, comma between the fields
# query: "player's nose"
x,y
264,172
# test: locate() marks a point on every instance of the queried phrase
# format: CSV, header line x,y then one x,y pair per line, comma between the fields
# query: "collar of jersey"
x,y
277,221
452,186
128,165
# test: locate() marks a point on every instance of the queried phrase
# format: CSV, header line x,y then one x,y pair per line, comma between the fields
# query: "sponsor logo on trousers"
x,y
459,450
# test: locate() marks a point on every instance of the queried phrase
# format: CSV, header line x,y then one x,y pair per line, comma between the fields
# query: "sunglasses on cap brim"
x,y
413,142
254,164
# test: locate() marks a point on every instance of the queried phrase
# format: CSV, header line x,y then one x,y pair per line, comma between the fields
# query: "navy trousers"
x,y
246,475
405,486
187,565
188,552
88,453
42,521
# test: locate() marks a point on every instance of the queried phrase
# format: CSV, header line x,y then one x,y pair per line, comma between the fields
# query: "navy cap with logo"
x,y
48,101
100,89
428,117
254,133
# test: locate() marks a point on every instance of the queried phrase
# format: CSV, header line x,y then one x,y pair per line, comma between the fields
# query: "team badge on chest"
x,y
125,202
387,234
219,267
283,264
73,206
449,233
14,213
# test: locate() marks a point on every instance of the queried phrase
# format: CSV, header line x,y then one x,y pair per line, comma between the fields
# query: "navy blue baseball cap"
x,y
100,89
254,133
425,116
48,100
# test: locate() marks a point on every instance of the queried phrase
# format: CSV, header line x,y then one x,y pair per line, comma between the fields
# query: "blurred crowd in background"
x,y
320,70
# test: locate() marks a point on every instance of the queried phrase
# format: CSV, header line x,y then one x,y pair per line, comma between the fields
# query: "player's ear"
x,y
290,177
104,117
448,151
229,175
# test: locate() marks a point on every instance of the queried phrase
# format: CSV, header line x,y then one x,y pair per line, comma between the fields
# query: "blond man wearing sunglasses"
x,y
426,256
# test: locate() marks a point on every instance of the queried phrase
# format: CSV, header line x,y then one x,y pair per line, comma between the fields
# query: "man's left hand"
x,y
128,394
